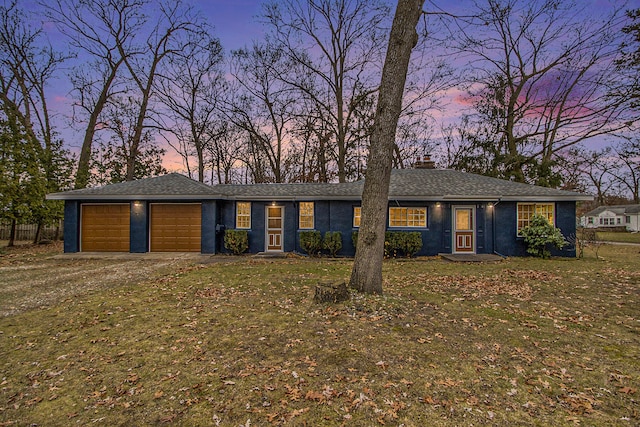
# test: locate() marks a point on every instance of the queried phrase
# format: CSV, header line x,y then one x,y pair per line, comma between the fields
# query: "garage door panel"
x,y
105,228
176,227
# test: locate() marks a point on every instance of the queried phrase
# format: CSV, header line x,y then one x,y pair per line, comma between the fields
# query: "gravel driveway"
x,y
36,277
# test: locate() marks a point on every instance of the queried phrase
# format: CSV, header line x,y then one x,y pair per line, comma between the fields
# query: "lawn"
x,y
621,237
519,342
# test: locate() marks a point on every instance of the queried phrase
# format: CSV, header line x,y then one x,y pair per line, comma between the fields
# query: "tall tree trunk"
x,y
36,238
84,161
366,275
12,234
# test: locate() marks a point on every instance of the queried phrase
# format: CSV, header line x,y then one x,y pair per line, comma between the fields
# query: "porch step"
x,y
270,255
472,257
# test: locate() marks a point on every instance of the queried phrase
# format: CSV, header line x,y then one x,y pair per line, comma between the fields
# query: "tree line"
x,y
538,80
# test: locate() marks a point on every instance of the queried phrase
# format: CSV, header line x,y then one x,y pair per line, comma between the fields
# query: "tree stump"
x,y
331,292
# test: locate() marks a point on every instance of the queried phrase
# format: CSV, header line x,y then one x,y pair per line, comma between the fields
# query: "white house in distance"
x,y
613,216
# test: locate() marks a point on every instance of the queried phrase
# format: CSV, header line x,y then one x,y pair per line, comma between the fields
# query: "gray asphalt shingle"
x,y
170,186
413,184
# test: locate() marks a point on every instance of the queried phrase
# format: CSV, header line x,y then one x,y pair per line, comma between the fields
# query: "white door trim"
x,y
464,241
273,236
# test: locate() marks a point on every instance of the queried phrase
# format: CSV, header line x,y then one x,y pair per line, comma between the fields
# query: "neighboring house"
x,y
627,216
455,212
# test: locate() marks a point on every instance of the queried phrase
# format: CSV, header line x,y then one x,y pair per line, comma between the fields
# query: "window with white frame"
x,y
306,215
408,217
243,215
527,210
357,214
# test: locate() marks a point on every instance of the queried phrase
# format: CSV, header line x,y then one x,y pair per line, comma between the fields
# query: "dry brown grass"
x,y
521,342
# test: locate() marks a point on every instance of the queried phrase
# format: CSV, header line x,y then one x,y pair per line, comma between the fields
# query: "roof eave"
x,y
249,197
132,197
554,198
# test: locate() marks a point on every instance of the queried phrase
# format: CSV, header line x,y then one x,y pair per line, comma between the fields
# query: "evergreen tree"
x,y
23,183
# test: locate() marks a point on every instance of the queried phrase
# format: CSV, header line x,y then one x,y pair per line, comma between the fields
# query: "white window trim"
x,y
238,216
552,204
353,220
313,216
407,208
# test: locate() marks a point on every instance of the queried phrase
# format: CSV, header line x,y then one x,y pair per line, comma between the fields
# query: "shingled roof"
x,y
173,186
406,184
449,184
617,209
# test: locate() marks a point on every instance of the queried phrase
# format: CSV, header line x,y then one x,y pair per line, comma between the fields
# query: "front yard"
x,y
519,342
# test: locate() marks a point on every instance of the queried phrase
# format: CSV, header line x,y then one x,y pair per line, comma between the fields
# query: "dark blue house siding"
x,y
566,222
209,242
139,224
338,216
139,227
495,225
506,242
71,230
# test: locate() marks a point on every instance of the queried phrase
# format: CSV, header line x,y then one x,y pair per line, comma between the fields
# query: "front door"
x,y
274,228
463,233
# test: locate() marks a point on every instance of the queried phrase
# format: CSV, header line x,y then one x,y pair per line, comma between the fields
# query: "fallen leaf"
x,y
627,390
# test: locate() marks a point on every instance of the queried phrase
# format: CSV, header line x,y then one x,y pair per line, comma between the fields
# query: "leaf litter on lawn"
x,y
243,344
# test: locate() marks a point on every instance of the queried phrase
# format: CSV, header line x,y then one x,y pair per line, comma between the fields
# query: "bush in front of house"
x,y
540,235
332,242
408,243
236,241
311,242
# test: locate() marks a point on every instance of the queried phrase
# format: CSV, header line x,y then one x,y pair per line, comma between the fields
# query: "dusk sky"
x,y
235,23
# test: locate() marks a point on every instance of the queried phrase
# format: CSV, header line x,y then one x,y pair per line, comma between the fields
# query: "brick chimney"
x,y
424,163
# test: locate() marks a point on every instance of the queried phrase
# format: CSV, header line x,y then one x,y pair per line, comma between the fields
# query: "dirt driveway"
x,y
35,276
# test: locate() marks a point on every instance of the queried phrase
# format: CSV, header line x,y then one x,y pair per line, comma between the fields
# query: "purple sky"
x,y
235,21
236,24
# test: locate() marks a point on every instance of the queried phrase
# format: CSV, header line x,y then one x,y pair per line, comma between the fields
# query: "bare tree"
x,y
168,36
334,47
310,149
264,107
96,28
226,153
116,150
627,170
189,88
366,275
594,167
541,77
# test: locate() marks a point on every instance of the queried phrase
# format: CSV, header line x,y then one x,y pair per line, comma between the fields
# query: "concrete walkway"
x,y
193,256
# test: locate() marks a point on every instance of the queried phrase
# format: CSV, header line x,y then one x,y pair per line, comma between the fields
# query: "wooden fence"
x,y
27,232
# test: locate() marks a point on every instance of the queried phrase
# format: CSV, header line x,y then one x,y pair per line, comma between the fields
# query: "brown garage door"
x,y
175,227
105,228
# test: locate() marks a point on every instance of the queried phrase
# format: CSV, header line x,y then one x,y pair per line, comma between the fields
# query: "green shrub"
x,y
236,241
539,235
391,246
311,242
332,242
407,243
